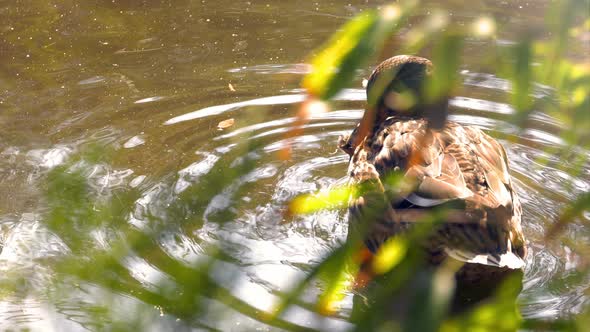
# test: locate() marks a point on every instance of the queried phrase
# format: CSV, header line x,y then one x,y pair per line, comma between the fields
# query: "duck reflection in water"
x,y
443,166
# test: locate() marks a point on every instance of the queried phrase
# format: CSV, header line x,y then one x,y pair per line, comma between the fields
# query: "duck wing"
x,y
459,166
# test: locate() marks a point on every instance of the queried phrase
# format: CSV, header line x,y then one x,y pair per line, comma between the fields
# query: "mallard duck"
x,y
447,164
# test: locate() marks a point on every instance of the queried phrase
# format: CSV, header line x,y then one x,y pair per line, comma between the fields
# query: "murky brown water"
x,y
152,81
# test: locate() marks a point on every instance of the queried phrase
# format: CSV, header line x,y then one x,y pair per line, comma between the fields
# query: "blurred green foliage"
x,y
527,63
350,48
76,210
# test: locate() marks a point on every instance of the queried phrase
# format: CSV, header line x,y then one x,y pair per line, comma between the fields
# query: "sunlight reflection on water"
x,y
160,95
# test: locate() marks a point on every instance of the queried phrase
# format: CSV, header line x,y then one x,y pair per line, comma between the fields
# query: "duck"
x,y
442,164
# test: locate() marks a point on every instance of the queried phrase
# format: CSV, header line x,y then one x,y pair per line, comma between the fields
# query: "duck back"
x,y
456,166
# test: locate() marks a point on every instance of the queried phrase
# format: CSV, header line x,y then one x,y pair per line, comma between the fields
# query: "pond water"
x,y
152,81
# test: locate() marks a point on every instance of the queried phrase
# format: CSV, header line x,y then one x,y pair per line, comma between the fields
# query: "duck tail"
x,y
507,259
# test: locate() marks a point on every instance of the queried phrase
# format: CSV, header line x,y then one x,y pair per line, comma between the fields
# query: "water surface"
x,y
152,81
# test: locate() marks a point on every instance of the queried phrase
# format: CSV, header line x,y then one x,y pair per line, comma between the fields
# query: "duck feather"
x,y
453,164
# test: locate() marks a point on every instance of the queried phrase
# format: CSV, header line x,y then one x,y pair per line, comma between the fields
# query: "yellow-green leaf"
x,y
335,65
333,198
389,255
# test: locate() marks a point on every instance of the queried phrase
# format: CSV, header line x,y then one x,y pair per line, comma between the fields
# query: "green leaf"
x,y
389,254
446,59
575,209
333,68
348,47
522,79
333,198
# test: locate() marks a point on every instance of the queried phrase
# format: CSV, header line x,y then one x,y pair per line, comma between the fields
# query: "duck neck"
x,y
372,118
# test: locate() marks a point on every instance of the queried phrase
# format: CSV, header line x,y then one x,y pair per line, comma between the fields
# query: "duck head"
x,y
397,88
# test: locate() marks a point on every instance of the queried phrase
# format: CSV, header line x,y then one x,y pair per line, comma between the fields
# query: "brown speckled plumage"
x,y
447,163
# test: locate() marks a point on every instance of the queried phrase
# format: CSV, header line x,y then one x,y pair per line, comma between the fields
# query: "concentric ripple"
x,y
258,240
272,250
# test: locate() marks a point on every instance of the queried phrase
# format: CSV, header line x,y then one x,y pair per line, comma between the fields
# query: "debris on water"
x,y
231,87
365,83
225,123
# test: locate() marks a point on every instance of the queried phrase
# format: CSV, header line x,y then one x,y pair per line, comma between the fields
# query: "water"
x,y
153,81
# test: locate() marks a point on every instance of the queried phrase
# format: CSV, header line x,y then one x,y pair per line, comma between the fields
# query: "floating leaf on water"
x,y
225,124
